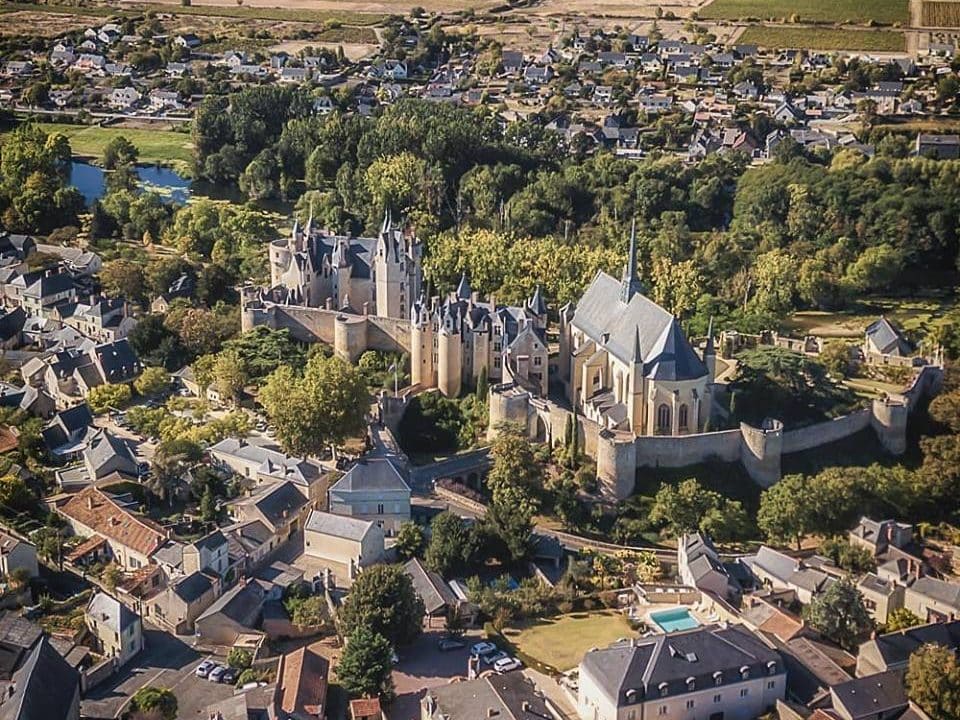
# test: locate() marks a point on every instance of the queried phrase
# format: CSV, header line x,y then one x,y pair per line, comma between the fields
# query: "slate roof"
x,y
887,338
662,665
118,361
338,525
502,696
431,588
939,590
192,587
104,447
278,503
241,604
664,349
112,613
895,648
873,696
380,474
17,636
44,687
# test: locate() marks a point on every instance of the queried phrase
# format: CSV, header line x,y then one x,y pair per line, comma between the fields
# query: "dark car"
x,y
230,676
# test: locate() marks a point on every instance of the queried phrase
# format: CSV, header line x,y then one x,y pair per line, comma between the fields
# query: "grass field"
x,y
560,643
854,11
916,317
935,13
347,17
822,38
164,147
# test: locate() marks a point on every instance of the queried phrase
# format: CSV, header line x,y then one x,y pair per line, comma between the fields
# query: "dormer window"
x,y
772,668
691,684
663,688
745,673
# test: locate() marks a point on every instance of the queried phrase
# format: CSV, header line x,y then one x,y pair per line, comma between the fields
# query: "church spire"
x,y
630,285
637,351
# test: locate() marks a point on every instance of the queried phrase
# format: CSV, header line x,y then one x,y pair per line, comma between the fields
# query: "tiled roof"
x,y
101,514
303,686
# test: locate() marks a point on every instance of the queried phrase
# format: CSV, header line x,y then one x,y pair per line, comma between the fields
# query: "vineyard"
x,y
940,13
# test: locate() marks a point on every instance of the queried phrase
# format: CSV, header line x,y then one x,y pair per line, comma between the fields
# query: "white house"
x,y
344,544
374,490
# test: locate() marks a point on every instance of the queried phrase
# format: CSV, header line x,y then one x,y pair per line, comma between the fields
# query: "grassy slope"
x,y
823,38
164,147
560,643
857,11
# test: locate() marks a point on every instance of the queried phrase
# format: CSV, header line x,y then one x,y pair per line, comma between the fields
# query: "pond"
x,y
90,180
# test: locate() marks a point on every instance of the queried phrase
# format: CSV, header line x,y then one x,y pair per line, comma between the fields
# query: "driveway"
x,y
423,666
167,662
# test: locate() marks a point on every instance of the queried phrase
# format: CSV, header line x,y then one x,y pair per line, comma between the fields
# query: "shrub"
x,y
239,658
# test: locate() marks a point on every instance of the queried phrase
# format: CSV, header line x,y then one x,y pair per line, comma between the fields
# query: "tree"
x,y
229,375
933,681
854,558
152,381
690,507
239,658
366,665
149,699
104,397
119,151
514,481
308,612
320,407
452,545
901,619
383,600
786,509
839,613
837,359
15,495
208,505
410,541
123,279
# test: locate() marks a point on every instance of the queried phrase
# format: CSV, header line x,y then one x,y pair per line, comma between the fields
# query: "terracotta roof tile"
x,y
100,513
303,687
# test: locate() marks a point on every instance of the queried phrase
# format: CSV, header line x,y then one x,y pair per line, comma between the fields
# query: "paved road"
x,y
167,662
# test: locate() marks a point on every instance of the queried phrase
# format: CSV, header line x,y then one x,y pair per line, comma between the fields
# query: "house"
x,y
17,553
187,40
68,375
294,75
104,454
891,651
45,687
766,615
249,544
373,489
27,398
940,147
345,543
512,61
933,600
264,464
40,291
699,566
117,629
655,103
232,619
882,337
164,100
366,709
18,637
876,697
280,506
130,539
536,75
179,605
776,570
881,596
437,595
394,70
713,671
512,695
77,261
102,319
302,685
209,553
123,98
66,433
183,287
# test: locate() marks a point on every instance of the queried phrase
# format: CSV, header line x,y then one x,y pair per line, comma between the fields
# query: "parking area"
x,y
167,662
422,666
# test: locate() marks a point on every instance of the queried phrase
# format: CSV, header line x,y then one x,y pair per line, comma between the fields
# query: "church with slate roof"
x,y
627,363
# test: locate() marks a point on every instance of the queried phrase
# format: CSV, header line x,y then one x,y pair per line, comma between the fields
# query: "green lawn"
x,y
916,316
853,11
560,643
347,17
823,38
165,147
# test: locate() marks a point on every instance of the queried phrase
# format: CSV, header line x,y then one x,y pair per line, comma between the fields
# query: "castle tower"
x,y
537,305
422,370
449,353
390,272
340,260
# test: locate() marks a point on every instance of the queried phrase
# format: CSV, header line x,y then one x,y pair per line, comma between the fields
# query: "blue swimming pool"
x,y
674,620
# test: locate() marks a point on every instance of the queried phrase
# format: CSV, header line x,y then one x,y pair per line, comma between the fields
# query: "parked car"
x,y
204,668
504,665
451,644
230,676
216,675
482,648
494,657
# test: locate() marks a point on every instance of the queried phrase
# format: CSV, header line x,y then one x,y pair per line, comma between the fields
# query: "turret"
x,y
422,370
463,289
538,306
449,352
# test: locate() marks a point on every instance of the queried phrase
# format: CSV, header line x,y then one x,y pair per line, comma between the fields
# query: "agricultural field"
x,y
940,13
824,38
164,147
845,11
560,643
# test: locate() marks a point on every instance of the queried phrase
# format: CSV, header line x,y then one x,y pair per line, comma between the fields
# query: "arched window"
x,y
663,418
682,419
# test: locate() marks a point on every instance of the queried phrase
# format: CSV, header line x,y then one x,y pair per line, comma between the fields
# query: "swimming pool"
x,y
674,620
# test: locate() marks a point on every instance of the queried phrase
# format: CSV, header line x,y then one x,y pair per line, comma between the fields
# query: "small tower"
x,y
566,341
449,352
710,354
635,398
422,370
464,292
390,273
630,285
537,305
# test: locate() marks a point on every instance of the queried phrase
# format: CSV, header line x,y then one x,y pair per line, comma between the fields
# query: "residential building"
x,y
211,552
232,619
699,566
373,489
775,570
117,629
266,465
129,539
17,553
302,685
345,544
512,695
940,147
45,687
933,600
714,671
875,697
179,604
880,596
891,651
281,507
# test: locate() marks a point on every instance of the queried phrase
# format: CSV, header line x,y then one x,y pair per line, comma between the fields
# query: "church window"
x,y
663,418
682,419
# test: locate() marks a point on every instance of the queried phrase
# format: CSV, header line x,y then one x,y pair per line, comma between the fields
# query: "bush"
x,y
239,658
609,599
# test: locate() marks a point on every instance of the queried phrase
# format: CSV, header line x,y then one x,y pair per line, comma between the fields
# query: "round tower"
x,y
349,337
449,363
889,422
616,463
760,451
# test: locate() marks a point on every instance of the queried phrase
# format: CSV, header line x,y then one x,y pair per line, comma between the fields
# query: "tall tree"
x,y
383,600
839,613
933,682
785,512
366,665
452,544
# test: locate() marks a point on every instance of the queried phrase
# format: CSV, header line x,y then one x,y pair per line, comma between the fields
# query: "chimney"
x,y
492,712
328,304
90,502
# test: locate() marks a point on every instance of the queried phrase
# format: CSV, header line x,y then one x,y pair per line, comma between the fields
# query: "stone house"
x,y
373,489
117,629
344,544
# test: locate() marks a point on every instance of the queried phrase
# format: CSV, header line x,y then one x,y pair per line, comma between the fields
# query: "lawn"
x,y
823,38
560,643
164,147
916,317
853,11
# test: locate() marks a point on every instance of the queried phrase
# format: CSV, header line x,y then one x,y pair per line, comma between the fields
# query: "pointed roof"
x,y
637,345
709,349
537,302
630,285
463,289
672,358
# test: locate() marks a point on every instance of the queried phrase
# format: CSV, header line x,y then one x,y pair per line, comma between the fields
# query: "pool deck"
x,y
643,612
